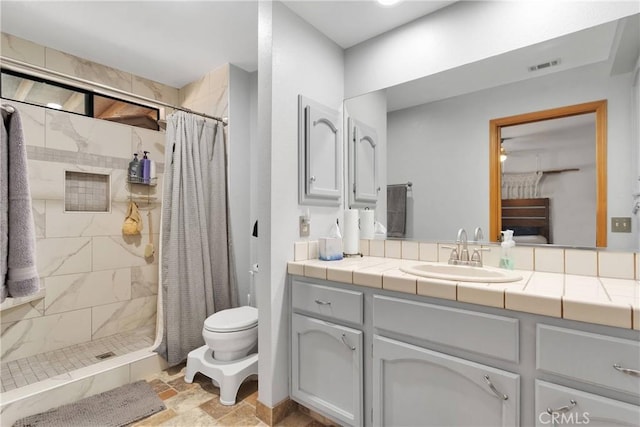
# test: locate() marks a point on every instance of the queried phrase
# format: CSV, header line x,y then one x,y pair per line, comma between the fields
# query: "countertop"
x,y
600,300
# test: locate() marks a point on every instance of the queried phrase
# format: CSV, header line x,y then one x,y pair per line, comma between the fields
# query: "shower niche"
x,y
86,192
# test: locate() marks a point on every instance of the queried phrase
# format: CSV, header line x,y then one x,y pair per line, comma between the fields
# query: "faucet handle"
x,y
476,257
453,258
464,254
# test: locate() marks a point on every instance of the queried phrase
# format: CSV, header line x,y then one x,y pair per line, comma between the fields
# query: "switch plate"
x,y
621,224
305,226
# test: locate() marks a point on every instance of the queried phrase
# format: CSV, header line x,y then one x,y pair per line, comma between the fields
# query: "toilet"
x,y
227,358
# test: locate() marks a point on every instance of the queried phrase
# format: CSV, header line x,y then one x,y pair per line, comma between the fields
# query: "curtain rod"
x,y
16,65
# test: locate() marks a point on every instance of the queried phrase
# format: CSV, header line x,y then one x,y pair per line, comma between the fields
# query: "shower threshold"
x,y
21,372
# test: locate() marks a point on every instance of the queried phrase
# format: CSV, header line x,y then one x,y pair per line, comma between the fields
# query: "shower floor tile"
x,y
29,370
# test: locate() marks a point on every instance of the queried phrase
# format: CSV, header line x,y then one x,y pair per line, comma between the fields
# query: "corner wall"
x,y
294,58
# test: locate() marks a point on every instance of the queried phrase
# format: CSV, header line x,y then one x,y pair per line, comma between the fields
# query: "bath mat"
x,y
118,407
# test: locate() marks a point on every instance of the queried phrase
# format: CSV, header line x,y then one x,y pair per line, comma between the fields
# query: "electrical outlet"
x,y
621,224
305,226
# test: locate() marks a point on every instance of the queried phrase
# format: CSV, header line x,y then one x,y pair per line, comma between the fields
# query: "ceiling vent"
x,y
544,65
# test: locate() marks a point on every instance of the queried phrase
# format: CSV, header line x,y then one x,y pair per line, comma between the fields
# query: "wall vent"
x,y
544,65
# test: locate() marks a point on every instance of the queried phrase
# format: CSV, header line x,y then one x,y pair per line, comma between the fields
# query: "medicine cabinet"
x,y
320,154
363,164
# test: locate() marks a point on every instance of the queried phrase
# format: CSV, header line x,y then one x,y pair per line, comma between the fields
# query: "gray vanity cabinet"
x,y
327,357
558,405
363,164
415,386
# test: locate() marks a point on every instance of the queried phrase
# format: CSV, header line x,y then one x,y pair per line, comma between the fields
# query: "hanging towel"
x,y
18,237
133,222
396,210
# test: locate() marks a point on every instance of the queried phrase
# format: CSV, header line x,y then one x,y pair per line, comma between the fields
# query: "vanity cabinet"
x,y
558,405
320,154
326,356
375,357
363,164
415,385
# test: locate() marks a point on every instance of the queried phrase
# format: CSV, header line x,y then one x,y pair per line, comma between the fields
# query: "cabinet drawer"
x,y
589,357
481,333
338,304
557,405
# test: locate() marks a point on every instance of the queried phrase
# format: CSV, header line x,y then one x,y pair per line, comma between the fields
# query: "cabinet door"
x,y
320,160
363,149
559,406
413,386
326,363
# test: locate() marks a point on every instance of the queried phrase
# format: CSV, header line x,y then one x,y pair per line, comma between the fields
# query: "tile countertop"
x,y
601,300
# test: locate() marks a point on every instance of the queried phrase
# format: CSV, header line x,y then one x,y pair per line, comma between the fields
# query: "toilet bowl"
x,y
230,336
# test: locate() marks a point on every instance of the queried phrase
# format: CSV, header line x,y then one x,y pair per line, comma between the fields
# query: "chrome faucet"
x,y
460,252
462,239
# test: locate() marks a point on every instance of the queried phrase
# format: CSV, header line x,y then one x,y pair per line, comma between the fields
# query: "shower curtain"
x,y
197,268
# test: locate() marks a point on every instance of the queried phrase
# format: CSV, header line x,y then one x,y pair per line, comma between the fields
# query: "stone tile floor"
x,y
198,404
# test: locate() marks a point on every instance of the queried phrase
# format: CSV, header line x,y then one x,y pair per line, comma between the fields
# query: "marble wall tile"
x,y
74,291
78,67
60,256
115,252
123,316
144,281
193,90
22,50
23,312
148,140
77,224
33,119
154,90
46,179
39,219
76,133
46,333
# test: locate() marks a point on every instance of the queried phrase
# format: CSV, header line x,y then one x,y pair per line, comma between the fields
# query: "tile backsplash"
x,y
581,262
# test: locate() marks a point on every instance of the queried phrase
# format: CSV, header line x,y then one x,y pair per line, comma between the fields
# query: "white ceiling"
x,y
176,42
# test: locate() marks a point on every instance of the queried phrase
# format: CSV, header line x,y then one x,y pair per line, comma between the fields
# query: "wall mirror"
x,y
548,175
434,133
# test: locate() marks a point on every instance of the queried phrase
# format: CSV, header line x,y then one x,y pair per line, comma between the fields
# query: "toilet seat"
x,y
232,320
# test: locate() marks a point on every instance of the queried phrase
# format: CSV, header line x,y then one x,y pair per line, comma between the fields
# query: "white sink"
x,y
461,273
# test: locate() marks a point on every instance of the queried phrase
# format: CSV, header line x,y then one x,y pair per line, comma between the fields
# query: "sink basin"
x,y
461,273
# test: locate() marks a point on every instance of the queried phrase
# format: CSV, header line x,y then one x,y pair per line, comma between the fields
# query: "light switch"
x,y
305,226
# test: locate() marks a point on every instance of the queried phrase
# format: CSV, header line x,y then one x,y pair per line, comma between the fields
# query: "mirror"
x,y
437,138
537,162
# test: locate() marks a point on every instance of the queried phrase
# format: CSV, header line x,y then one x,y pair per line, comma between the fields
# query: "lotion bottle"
x,y
146,168
134,169
506,250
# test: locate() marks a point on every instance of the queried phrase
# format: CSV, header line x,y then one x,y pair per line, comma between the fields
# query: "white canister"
x,y
367,224
350,232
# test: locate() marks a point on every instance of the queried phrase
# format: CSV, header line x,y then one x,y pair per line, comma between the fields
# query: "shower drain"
x,y
105,355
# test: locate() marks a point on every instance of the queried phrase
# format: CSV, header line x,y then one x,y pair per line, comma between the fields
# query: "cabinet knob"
x,y
312,179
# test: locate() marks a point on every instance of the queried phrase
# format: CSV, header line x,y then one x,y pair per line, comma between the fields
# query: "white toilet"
x,y
230,336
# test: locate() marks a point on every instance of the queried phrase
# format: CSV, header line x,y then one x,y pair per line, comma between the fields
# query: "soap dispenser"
x,y
506,255
134,171
146,168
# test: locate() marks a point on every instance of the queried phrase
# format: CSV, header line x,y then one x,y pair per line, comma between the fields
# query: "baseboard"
x,y
272,416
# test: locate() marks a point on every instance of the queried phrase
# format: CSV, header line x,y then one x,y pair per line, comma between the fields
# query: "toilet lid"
x,y
232,319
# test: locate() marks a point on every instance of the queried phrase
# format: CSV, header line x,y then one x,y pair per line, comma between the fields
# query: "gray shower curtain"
x,y
197,268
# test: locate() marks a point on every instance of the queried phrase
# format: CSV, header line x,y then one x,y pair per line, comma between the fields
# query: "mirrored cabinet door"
x,y
363,164
320,148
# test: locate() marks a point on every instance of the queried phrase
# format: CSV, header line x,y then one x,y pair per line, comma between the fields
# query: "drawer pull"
x,y
494,389
344,340
323,302
562,409
632,372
